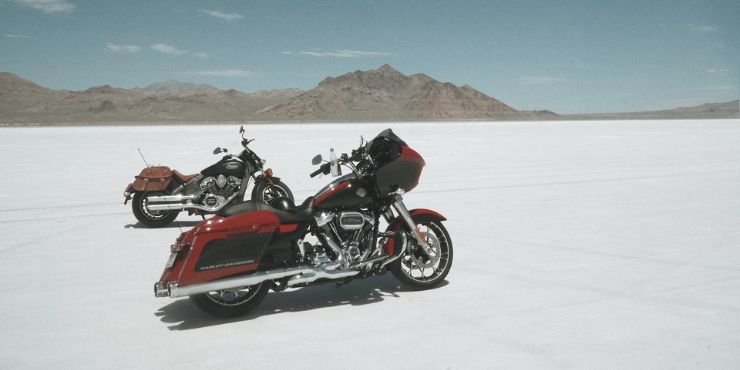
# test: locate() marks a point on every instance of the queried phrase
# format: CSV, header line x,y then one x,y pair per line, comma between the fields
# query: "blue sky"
x,y
566,56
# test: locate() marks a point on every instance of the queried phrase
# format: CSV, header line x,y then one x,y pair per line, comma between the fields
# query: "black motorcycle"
x,y
160,193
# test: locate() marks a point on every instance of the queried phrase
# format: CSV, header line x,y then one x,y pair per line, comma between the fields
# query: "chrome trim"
x,y
406,216
169,198
303,279
351,226
337,250
189,205
324,218
159,290
404,243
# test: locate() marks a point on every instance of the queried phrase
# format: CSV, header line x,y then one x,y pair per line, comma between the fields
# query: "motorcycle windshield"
x,y
385,135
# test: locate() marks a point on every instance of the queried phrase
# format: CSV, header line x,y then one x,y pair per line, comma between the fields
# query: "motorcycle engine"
x,y
352,231
217,189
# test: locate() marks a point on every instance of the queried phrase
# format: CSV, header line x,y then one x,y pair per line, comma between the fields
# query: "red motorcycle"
x,y
227,264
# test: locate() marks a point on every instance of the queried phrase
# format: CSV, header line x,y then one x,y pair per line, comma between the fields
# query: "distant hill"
x,y
387,94
22,101
382,94
730,109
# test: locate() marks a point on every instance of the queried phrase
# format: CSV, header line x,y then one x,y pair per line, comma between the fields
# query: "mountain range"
x,y
382,94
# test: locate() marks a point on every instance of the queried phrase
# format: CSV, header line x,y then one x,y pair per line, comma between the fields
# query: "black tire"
x,y
151,218
215,303
265,193
414,260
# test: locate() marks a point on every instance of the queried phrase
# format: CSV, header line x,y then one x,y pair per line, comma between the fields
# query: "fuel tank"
x,y
345,192
228,166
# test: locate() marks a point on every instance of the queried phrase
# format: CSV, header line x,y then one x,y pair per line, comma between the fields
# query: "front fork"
x,y
406,216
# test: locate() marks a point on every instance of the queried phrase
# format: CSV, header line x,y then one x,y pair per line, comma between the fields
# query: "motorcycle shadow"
x,y
185,316
174,224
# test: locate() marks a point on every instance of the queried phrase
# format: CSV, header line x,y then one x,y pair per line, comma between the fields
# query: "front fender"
x,y
398,223
262,178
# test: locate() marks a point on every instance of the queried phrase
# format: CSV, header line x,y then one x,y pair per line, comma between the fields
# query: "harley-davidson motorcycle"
x,y
160,193
227,264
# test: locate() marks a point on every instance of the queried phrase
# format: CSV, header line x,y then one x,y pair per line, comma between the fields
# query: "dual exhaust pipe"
x,y
179,202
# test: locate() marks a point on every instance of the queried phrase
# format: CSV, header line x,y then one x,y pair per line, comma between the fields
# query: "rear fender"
x,y
397,224
128,193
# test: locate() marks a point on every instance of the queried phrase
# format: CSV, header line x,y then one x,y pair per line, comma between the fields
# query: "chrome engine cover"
x,y
351,220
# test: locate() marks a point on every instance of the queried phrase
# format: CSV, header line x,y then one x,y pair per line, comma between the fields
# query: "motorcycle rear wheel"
x,y
417,271
231,303
151,218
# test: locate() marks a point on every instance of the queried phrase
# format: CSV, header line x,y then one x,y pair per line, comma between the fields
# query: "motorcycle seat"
x,y
183,178
300,214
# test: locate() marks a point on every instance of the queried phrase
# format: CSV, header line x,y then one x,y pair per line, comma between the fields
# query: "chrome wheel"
x,y
234,297
152,215
417,269
419,266
231,302
147,217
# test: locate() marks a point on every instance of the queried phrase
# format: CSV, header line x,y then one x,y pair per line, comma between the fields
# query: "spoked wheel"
x,y
417,270
231,302
150,218
266,193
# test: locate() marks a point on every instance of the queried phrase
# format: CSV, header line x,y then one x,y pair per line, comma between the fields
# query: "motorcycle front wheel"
x,y
415,269
266,193
150,218
231,302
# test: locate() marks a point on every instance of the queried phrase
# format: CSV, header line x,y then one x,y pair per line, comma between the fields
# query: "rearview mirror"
x,y
218,150
316,160
241,129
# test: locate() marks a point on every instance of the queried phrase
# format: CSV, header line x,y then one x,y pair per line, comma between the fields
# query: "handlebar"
x,y
344,159
323,169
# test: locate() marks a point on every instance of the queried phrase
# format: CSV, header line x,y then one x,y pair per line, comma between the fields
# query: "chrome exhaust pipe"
x,y
169,206
179,206
160,290
301,275
404,243
175,291
169,198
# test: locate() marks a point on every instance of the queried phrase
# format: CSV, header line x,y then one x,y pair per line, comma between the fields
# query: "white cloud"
x,y
12,36
702,28
123,49
168,49
200,55
225,16
718,70
238,73
541,80
343,53
48,6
